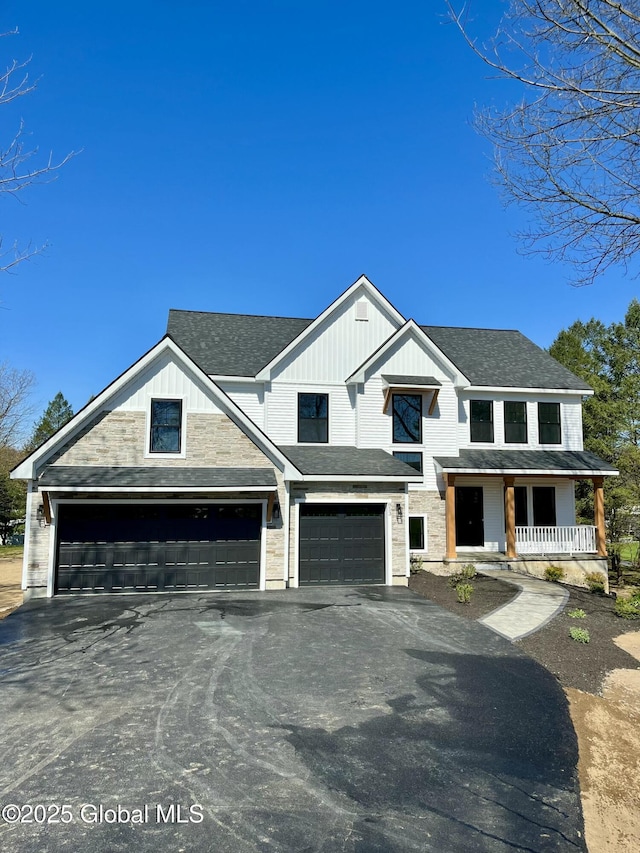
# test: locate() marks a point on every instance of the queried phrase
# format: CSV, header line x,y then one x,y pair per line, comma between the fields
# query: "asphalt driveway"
x,y
352,719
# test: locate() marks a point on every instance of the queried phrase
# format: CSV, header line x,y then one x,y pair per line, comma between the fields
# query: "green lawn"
x,y
11,551
629,552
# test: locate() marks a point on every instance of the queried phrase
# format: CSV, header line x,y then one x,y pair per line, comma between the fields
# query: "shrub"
x,y
553,573
576,614
415,563
463,591
580,635
635,597
626,608
463,575
595,582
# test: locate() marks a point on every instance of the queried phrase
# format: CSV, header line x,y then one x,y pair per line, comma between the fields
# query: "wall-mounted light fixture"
x,y
42,520
275,515
399,513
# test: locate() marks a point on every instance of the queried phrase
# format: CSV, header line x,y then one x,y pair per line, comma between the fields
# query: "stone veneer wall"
x,y
376,493
431,504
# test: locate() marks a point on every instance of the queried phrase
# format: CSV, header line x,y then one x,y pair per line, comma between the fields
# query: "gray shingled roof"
x,y
347,462
525,460
411,380
232,344
156,477
241,344
502,357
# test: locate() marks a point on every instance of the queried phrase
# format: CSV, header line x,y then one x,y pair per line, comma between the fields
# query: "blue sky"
x,y
257,157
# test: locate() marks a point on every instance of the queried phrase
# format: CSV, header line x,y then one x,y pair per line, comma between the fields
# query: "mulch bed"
x,y
574,664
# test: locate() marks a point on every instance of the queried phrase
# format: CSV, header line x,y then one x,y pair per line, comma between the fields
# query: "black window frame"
x,y
398,454
165,423
398,419
475,424
317,420
423,532
549,431
509,433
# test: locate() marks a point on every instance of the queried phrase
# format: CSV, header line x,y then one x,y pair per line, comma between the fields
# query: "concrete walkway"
x,y
537,603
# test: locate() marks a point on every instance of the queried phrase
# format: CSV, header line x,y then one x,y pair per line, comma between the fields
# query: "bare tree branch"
x,y
15,408
18,166
569,151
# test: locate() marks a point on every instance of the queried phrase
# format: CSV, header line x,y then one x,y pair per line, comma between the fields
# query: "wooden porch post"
x,y
450,507
510,516
598,507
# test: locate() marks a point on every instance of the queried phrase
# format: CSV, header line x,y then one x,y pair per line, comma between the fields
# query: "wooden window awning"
x,y
410,385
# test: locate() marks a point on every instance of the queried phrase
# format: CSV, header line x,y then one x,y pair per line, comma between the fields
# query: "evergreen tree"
x,y
56,415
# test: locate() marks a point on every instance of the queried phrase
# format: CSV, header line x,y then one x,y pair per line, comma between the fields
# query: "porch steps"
x,y
536,604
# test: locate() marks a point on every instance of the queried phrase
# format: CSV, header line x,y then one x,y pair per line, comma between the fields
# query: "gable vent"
x,y
362,309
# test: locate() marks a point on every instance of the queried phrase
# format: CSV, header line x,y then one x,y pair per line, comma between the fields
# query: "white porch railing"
x,y
580,539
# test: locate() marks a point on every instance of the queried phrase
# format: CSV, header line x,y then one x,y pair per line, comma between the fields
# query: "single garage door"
x,y
341,543
156,547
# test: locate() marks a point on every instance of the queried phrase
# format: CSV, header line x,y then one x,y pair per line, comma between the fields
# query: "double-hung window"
x,y
313,418
166,426
407,418
481,420
549,429
515,422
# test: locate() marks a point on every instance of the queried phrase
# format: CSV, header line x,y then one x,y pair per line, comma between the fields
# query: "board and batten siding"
x,y
282,412
570,419
339,345
163,378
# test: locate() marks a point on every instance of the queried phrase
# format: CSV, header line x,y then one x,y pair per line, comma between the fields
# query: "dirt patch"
x,y
602,683
10,581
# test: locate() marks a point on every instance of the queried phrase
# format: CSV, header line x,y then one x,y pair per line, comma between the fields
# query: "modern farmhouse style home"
x,y
246,452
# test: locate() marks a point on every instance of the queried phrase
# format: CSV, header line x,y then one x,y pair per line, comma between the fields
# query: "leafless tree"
x,y
16,410
569,150
19,163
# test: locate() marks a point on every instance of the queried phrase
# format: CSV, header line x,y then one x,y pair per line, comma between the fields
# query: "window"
x,y
481,420
549,430
544,506
520,506
417,533
407,418
413,459
313,418
166,426
515,422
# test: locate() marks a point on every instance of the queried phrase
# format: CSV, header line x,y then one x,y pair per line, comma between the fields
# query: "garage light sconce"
x,y
275,515
399,513
42,520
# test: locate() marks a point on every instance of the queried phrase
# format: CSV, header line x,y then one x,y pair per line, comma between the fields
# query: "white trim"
x,y
27,535
530,472
410,327
219,377
406,535
51,571
286,524
262,577
389,510
182,453
508,389
425,533
362,282
345,478
159,489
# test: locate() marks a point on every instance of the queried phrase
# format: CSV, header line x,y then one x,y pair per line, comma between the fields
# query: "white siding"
x,y
250,398
339,345
282,412
410,358
570,418
164,378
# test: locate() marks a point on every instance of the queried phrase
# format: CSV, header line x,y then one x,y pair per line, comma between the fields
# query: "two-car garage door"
x,y
156,547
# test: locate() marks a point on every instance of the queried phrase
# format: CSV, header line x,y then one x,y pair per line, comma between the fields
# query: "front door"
x,y
469,516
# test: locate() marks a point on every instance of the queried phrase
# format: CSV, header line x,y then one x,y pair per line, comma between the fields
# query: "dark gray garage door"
x,y
341,543
155,547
